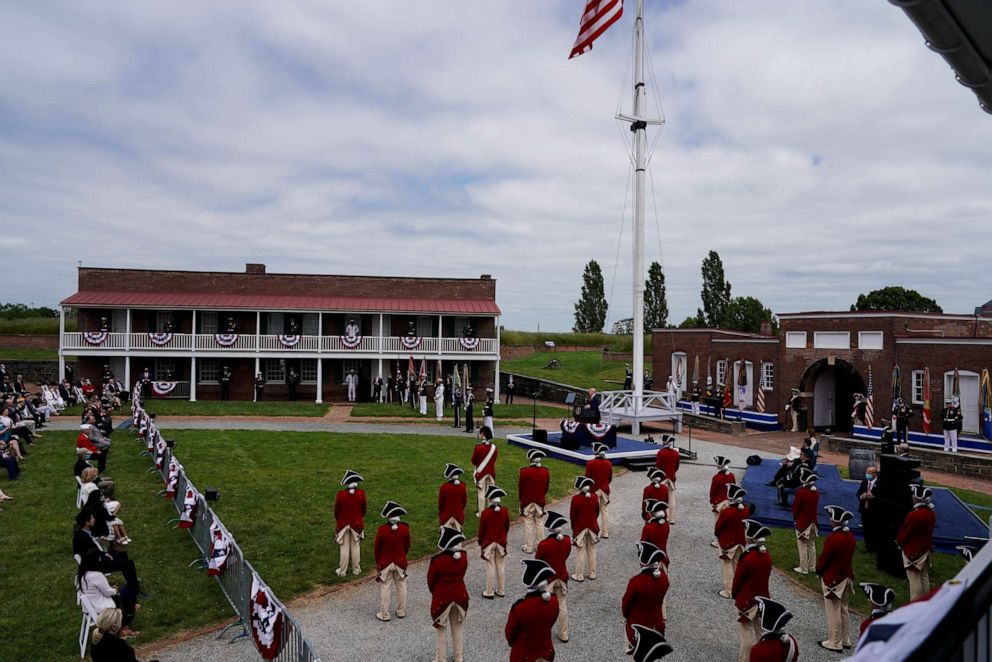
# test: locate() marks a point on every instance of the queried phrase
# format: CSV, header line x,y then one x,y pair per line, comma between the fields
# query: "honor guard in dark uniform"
x,y
259,387
751,583
456,405
390,388
469,405
695,396
836,571
952,419
225,383
628,378
104,324
903,413
449,595
775,645
292,381
528,627
232,326
146,383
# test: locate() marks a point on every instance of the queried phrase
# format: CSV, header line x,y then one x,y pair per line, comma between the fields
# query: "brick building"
x,y
185,326
825,355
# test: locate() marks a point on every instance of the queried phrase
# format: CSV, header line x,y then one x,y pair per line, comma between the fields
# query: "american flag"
x,y
598,15
761,392
870,403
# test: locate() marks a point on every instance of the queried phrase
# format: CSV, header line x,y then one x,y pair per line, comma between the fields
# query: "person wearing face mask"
x,y
866,497
452,498
531,618
493,527
554,550
449,596
584,516
532,489
392,543
646,591
350,506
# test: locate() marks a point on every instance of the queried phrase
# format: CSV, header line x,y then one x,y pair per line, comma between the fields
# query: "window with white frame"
x,y
274,370
832,340
721,371
208,322
165,369
795,340
767,376
209,370
308,371
870,339
917,382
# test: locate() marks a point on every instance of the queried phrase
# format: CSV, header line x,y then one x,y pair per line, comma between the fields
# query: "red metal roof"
x,y
175,300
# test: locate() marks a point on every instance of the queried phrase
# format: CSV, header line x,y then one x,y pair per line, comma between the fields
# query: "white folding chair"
x,y
79,492
88,622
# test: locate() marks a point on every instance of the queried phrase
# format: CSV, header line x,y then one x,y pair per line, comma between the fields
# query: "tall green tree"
x,y
590,309
747,314
624,327
896,298
655,299
716,290
697,321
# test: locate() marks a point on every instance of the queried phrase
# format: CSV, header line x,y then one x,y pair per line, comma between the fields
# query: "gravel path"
x,y
701,625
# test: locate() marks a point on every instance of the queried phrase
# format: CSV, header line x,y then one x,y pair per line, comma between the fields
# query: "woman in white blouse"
x,y
94,586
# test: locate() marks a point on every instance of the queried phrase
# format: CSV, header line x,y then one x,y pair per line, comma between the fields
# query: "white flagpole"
x,y
640,149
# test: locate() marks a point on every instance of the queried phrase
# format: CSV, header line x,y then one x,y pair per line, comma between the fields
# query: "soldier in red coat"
x,y
554,550
532,488
775,644
649,645
392,542
493,527
452,498
836,571
656,529
601,471
881,599
584,515
718,488
646,591
484,460
656,490
350,506
750,583
729,532
805,505
449,597
668,461
528,627
915,538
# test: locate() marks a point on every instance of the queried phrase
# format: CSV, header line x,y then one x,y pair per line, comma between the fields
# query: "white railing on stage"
x,y
617,406
250,342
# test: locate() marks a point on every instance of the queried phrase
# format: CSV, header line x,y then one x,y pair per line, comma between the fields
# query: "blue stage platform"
x,y
752,420
954,519
626,450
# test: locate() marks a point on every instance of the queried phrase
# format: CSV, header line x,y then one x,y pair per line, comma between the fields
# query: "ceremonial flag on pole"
x,y
597,17
709,371
412,368
438,372
986,404
761,393
956,387
870,403
741,384
695,371
456,380
423,368
896,391
728,393
927,417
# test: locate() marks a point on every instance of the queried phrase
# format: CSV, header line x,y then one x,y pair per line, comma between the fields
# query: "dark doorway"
x,y
833,385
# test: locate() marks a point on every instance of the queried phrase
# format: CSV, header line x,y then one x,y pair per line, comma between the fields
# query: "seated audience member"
x,y
90,439
108,646
9,460
117,530
97,507
67,393
787,476
17,426
88,389
112,560
808,454
93,584
105,483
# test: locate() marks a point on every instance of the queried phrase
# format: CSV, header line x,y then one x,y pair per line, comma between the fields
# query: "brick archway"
x,y
833,386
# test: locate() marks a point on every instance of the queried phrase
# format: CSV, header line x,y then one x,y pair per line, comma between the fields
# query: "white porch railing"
x,y
278,343
76,340
394,345
245,341
334,344
177,341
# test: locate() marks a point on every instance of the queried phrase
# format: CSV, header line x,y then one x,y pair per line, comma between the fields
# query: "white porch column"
x,y
61,344
127,373
380,333
320,340
127,330
192,379
320,381
496,390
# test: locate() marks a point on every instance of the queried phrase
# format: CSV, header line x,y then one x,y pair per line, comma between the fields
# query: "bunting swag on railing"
x,y
411,342
172,481
160,339
220,547
266,620
570,427
159,450
95,337
289,340
188,515
469,343
163,388
351,342
226,339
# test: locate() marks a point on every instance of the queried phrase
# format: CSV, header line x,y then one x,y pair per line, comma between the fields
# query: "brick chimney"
x,y
765,329
254,268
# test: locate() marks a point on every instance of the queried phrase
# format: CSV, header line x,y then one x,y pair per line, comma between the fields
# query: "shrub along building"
x,y
186,326
826,357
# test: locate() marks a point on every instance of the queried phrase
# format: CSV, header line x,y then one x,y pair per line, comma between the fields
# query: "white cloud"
x,y
819,147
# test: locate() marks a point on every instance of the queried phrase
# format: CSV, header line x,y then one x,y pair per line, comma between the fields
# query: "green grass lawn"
x,y
502,413
277,495
26,354
599,340
582,369
785,555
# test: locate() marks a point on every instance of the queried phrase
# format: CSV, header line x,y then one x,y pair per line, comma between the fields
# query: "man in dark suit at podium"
x,y
590,412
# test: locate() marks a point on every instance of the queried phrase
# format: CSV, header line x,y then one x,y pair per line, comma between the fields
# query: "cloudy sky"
x,y
818,146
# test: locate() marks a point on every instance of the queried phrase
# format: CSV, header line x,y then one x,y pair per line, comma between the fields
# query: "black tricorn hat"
x,y
655,506
536,571
649,553
351,477
838,514
755,530
553,520
649,644
582,481
494,491
535,454
392,509
735,492
772,615
722,461
449,538
452,470
599,448
877,594
657,472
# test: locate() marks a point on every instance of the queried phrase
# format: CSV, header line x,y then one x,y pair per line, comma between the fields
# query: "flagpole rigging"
x,y
639,127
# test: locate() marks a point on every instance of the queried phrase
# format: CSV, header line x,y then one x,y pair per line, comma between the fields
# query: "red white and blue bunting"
x,y
469,343
290,340
598,430
220,547
351,342
163,388
188,514
226,339
411,342
570,426
95,337
160,339
266,620
172,479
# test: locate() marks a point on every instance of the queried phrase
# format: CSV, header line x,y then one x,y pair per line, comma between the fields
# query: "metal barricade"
x,y
236,580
